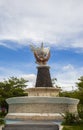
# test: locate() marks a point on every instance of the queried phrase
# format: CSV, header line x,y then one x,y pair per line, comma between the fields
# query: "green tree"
x,y
76,94
79,92
80,95
80,84
13,87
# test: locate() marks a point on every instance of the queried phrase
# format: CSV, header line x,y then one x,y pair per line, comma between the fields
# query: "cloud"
x,y
5,73
8,72
66,75
31,78
58,23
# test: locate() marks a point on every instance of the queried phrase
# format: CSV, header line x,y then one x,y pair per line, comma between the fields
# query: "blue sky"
x,y
59,24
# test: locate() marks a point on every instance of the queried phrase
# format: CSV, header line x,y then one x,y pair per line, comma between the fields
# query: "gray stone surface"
x,y
31,127
43,91
58,100
40,108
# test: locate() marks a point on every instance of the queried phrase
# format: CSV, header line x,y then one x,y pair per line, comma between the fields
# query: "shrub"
x,y
70,118
81,114
2,114
2,121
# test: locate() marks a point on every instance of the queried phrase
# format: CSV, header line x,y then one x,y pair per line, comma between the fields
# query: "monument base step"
x,y
31,127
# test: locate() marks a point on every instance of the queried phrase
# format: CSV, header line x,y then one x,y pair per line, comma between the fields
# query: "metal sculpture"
x,y
41,54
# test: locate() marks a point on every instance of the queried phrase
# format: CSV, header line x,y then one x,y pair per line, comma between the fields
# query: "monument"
x,y
43,103
42,55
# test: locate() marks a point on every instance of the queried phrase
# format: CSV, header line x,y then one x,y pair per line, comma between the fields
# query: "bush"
x,y
81,114
80,110
70,118
2,121
2,114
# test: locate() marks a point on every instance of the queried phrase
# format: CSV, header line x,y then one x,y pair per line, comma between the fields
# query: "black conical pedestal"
x,y
43,77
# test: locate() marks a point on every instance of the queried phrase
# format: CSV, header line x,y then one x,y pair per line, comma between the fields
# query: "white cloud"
x,y
55,22
8,72
5,73
67,75
68,67
31,78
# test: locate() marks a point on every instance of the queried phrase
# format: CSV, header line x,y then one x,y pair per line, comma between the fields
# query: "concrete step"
x,y
31,127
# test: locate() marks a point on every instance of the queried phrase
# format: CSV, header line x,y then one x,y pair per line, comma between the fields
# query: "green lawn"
x,y
77,127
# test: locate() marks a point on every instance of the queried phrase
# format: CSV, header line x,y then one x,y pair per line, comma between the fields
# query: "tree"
x,y
76,94
13,87
80,95
80,84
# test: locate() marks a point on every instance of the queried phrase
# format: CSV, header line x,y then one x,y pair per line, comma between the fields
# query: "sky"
x,y
56,23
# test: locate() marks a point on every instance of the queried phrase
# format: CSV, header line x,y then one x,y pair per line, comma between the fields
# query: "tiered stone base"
x,y
34,116
40,108
32,126
43,91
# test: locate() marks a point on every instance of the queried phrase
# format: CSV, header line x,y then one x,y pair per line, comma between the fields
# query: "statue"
x,y
41,54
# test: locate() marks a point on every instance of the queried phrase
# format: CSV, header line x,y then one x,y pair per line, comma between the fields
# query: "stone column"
x,y
43,77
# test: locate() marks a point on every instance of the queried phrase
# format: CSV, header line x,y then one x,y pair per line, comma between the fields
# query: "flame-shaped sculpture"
x,y
41,54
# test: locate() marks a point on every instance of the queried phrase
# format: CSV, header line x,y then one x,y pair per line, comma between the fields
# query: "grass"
x,y
76,127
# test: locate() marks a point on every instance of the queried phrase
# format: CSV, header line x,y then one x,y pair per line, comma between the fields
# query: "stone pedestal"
x,y
40,108
32,126
43,77
43,91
